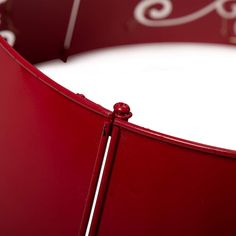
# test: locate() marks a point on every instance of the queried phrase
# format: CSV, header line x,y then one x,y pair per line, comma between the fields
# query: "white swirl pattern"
x,y
147,14
7,34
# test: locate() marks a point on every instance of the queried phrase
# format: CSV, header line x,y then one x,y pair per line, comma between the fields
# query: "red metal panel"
x,y
51,145
52,141
160,185
39,26
108,23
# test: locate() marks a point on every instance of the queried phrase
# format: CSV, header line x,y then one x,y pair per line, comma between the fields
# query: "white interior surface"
x,y
188,91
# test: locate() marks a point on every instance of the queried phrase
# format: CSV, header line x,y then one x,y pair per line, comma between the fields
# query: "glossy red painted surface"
x,y
160,185
41,26
111,23
51,148
52,141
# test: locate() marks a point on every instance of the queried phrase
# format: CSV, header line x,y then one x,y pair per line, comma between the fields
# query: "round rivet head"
x,y
122,111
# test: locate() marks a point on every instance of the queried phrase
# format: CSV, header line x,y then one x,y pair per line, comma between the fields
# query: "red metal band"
x,y
52,141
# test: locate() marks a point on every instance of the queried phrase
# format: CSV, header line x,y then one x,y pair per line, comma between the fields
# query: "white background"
x,y
184,90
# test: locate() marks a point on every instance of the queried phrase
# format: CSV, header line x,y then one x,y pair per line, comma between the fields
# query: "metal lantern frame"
x,y
53,142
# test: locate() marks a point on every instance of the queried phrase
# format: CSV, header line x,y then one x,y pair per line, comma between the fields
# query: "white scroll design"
x,y
146,12
8,35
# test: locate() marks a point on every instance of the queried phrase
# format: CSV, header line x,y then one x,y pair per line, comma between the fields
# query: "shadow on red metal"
x,y
52,143
160,185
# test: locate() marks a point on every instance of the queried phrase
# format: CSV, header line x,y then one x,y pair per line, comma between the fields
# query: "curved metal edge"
x,y
174,140
37,74
80,100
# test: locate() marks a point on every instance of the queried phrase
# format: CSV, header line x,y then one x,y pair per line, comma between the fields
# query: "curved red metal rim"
x,y
174,140
81,100
84,147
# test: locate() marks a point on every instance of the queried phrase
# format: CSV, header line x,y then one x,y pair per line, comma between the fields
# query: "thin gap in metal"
x,y
71,25
98,187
